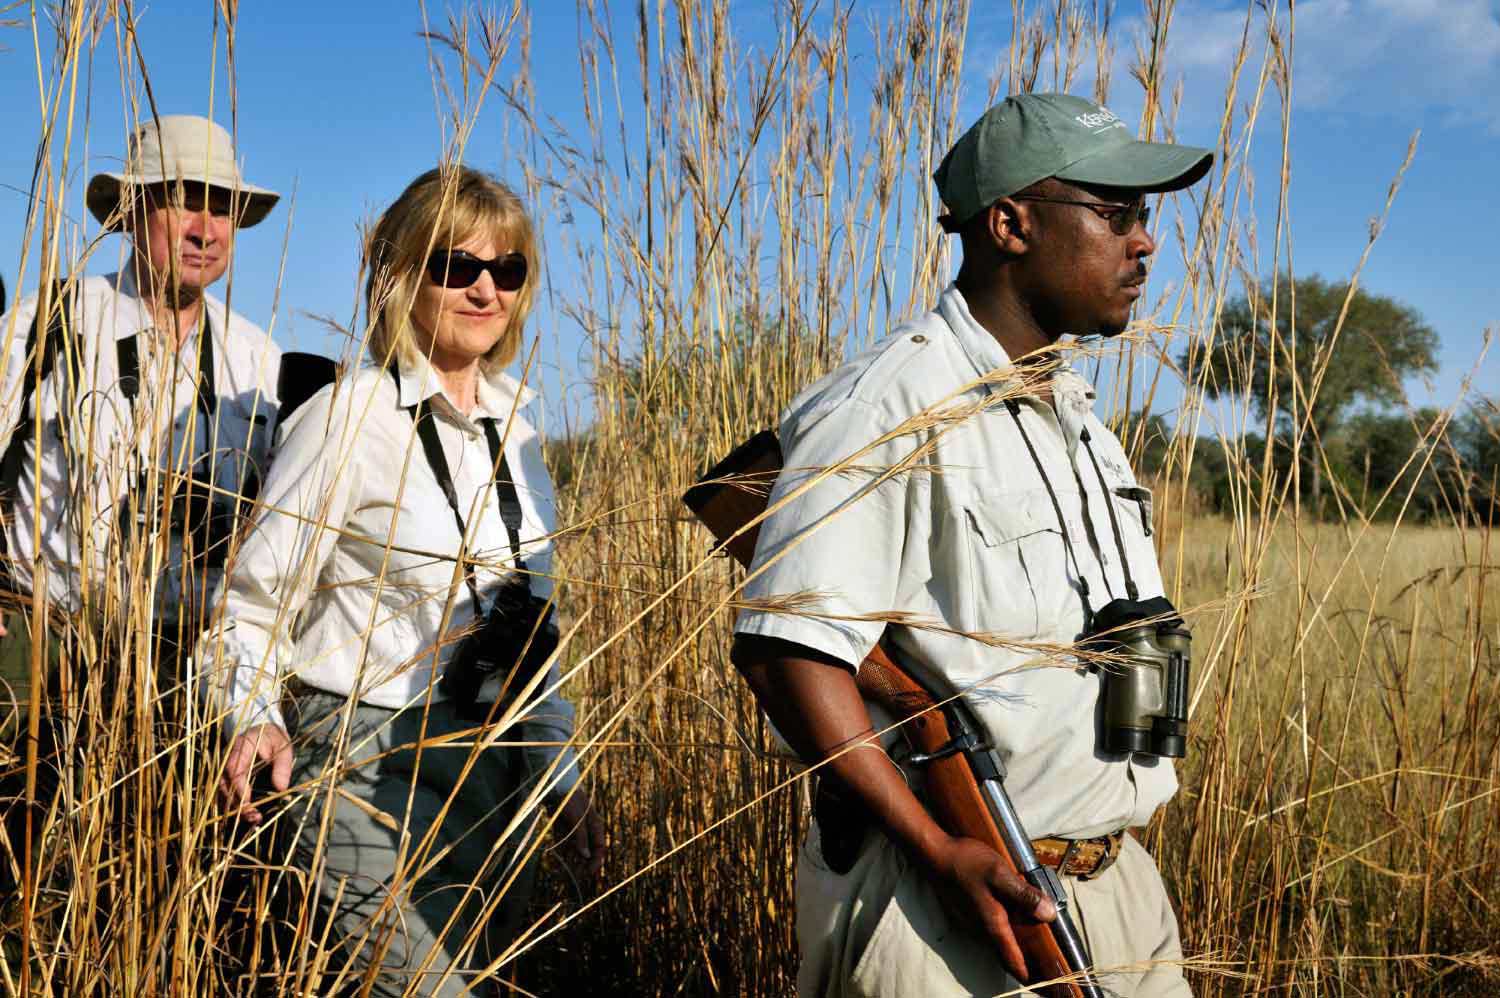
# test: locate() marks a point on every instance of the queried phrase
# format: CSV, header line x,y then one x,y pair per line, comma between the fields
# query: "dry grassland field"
x,y
740,219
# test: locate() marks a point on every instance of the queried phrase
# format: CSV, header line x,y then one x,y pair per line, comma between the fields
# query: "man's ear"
x,y
1007,227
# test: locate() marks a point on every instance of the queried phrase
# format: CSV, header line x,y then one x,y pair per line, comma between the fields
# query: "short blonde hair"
x,y
440,209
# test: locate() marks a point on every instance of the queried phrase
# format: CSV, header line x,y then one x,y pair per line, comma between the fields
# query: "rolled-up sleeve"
x,y
306,498
829,557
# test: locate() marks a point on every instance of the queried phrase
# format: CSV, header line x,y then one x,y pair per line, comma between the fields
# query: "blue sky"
x,y
336,106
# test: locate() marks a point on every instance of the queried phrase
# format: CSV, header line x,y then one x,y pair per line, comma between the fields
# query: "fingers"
x,y
281,766
236,780
581,844
595,826
264,743
1018,895
998,925
582,833
994,897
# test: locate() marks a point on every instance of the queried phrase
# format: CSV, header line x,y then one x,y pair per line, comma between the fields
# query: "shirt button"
x,y
919,338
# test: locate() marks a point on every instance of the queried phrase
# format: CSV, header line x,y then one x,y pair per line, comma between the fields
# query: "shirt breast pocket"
x,y
1016,566
238,445
1134,507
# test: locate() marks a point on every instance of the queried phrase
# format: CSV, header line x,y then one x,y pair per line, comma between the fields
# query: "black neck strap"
x,y
1114,522
507,498
128,358
505,491
1131,591
1014,408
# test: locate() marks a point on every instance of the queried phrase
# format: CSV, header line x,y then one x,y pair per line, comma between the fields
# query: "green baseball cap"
x,y
1029,137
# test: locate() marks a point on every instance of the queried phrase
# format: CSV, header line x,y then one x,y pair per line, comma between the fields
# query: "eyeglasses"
x,y
1122,218
457,269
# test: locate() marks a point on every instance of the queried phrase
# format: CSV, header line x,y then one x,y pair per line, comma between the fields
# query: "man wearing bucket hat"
x,y
147,383
977,492
133,415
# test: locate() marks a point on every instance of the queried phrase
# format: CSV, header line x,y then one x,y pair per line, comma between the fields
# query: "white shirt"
x,y
119,449
346,578
969,540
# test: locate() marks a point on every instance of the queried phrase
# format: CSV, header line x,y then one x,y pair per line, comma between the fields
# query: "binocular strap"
x,y
1014,408
505,489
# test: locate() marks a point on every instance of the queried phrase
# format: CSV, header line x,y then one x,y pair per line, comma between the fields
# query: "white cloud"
x,y
1360,56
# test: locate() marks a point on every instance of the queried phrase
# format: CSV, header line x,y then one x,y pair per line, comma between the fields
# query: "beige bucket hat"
x,y
178,147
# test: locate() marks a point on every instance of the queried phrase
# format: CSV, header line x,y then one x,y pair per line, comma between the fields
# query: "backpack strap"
x,y
301,376
128,361
49,339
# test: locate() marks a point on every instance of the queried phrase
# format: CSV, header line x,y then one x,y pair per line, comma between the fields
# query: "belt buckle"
x,y
1065,863
1110,851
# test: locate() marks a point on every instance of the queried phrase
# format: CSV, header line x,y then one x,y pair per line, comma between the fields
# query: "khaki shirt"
x,y
967,540
114,443
347,578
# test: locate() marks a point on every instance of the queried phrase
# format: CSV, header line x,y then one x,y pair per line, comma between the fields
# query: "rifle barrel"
x,y
1043,879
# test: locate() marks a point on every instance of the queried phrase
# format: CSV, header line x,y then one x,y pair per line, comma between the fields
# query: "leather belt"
x,y
1081,858
295,687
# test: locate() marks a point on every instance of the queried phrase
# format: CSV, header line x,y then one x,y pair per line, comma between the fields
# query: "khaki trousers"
x,y
880,930
417,922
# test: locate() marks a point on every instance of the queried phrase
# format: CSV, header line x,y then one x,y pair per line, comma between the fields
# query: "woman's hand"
x,y
582,832
264,743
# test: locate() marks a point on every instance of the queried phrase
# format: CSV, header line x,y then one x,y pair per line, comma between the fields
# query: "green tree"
x,y
1306,374
1375,453
1477,438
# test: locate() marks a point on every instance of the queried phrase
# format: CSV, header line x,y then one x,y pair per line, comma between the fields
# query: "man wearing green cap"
x,y
976,494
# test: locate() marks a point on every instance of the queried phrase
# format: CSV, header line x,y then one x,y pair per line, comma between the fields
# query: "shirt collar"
x,y
982,349
497,395
500,394
124,284
1073,399
1072,394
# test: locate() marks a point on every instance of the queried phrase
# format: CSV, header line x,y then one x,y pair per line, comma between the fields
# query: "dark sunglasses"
x,y
1121,217
457,269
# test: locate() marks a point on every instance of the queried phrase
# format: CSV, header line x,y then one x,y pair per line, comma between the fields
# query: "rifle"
x,y
963,773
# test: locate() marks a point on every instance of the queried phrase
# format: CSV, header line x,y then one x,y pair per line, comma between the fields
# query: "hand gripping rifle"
x,y
964,775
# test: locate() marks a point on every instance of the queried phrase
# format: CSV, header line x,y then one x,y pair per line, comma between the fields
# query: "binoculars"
x,y
210,518
1143,653
516,639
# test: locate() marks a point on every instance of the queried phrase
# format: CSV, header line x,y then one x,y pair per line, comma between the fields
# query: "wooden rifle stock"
x,y
733,494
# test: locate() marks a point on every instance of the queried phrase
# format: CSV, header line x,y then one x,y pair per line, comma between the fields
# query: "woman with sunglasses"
x,y
396,596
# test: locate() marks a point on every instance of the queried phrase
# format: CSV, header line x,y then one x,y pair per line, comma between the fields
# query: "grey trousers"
x,y
421,919
880,931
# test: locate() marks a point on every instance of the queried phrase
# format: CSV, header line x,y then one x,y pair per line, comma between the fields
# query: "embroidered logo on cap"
x,y
1099,120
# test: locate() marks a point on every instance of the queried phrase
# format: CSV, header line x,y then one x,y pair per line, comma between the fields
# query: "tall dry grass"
x,y
739,218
